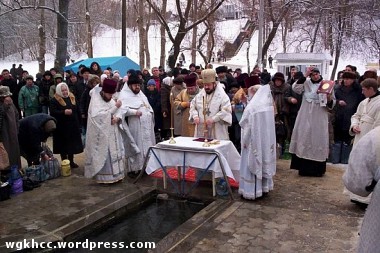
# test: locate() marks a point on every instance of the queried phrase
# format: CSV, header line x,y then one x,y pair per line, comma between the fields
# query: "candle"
x,y
204,105
171,111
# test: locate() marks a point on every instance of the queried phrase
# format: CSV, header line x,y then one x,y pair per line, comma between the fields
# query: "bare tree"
x,y
276,14
162,34
42,35
90,51
143,22
183,25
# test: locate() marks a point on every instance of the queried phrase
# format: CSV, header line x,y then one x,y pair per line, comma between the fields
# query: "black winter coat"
x,y
32,133
352,96
67,137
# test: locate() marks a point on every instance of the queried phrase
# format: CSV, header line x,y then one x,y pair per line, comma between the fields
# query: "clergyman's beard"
x,y
208,92
105,98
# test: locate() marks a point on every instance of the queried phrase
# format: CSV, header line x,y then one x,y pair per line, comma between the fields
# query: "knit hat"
x,y
151,82
4,91
58,76
208,75
251,81
50,126
29,77
315,70
178,80
279,76
349,75
109,86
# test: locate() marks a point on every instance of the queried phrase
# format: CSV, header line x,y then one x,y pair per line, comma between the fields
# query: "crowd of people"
x,y
146,104
115,119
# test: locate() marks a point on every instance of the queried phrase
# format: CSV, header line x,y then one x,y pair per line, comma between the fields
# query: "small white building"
x,y
303,60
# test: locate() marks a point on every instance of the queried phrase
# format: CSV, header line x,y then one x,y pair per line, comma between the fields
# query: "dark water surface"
x,y
149,224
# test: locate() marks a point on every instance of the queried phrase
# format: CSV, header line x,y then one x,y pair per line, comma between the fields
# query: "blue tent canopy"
x,y
120,63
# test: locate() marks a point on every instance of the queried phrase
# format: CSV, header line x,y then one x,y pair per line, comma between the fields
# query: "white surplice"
x,y
258,151
141,127
218,107
104,144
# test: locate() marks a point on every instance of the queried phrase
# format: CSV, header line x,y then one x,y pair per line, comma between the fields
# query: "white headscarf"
x,y
261,101
58,90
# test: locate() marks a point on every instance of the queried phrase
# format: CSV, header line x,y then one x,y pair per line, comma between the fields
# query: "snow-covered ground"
x,y
109,44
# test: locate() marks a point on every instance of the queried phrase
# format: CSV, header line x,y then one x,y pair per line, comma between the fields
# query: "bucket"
x,y
65,168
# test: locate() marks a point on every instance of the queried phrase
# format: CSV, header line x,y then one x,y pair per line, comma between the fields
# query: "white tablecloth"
x,y
227,152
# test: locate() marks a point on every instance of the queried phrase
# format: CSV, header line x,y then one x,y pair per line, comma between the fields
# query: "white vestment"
x,y
362,172
367,117
218,107
141,127
258,145
104,144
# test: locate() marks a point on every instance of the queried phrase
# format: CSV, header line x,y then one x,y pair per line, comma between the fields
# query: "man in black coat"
x,y
33,130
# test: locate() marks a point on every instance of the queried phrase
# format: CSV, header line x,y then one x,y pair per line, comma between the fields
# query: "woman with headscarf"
x,y
67,137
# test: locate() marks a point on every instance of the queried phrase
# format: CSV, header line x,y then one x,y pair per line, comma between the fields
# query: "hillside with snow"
x,y
108,43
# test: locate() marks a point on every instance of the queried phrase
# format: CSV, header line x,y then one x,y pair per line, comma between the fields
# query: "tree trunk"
x,y
276,23
140,25
163,36
194,33
315,33
42,44
211,39
90,51
62,30
146,43
123,27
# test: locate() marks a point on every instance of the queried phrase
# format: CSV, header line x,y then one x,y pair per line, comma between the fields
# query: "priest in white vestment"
x,y
138,116
104,144
211,105
258,150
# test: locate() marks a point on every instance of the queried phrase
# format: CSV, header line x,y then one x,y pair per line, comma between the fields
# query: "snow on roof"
x,y
302,56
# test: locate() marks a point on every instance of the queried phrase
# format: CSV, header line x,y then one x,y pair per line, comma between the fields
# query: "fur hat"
x,y
349,75
151,82
47,73
4,91
251,81
221,69
279,76
50,126
208,75
190,80
109,86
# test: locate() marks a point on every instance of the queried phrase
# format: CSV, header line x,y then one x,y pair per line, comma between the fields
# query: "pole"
x,y
123,28
260,42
